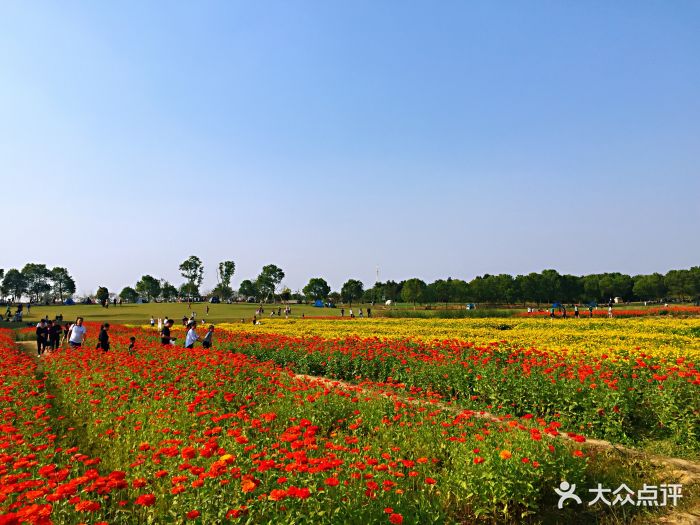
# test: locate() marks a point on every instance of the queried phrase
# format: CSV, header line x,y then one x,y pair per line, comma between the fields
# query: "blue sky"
x,y
429,139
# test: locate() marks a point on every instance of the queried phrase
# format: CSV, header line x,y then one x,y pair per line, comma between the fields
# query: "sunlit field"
x,y
328,421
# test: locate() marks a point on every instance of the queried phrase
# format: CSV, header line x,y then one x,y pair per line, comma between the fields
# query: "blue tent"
x,y
69,302
556,305
318,303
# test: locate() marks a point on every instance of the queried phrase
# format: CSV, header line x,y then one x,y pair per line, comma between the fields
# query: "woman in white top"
x,y
77,333
191,335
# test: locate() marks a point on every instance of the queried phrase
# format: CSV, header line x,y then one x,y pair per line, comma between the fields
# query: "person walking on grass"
x,y
103,338
165,333
41,333
77,333
206,341
192,336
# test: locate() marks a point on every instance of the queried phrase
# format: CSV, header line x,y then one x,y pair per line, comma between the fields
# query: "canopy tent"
x,y
69,302
318,303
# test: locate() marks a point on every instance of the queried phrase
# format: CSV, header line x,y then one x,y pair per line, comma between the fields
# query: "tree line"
x,y
43,284
38,282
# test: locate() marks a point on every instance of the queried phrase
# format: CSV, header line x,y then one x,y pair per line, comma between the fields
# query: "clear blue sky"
x,y
430,139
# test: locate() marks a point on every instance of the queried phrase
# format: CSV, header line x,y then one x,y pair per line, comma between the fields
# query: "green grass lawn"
x,y
141,313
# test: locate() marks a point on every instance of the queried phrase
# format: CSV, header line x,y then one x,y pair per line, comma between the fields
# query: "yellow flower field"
x,y
658,336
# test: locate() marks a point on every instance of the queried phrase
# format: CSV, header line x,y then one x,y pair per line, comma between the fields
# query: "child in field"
x,y
192,336
132,344
165,333
153,322
103,338
206,341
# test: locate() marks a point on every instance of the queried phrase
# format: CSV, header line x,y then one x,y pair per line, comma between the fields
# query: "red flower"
x,y
430,481
146,500
193,514
396,519
332,482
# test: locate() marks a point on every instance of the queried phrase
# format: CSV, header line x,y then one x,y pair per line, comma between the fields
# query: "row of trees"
x,y
545,287
43,284
40,283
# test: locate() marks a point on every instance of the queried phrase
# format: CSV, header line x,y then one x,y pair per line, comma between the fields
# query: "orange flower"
x,y
248,483
505,454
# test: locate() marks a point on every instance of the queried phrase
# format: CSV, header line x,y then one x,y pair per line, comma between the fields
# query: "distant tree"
x,y
285,294
392,290
188,290
334,297
193,270
412,291
248,289
591,287
128,294
102,294
317,288
63,283
148,286
351,290
14,284
442,290
224,274
37,277
550,286
167,290
649,287
681,284
270,276
2,273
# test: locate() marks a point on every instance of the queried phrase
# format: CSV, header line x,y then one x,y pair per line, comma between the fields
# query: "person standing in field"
x,y
576,311
54,335
610,313
590,312
153,322
192,336
207,309
103,338
165,333
206,341
342,312
369,312
66,329
77,333
41,332
132,344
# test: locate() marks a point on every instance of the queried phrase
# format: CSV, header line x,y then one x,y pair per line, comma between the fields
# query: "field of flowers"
x,y
243,432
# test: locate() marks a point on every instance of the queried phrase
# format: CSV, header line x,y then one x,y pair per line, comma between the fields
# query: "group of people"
x,y
191,336
360,313
50,335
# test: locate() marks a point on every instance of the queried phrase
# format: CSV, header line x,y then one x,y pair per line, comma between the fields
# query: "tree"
x,y
352,289
128,294
193,270
102,294
412,291
167,290
334,297
285,294
226,271
649,287
188,290
680,283
317,289
269,278
442,290
37,277
63,283
248,289
148,286
14,284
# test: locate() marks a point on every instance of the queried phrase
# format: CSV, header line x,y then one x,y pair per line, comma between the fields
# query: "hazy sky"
x,y
430,139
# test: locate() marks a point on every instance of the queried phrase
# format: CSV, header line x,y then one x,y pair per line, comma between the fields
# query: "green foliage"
x,y
193,270
148,286
63,283
37,278
413,290
102,294
14,284
248,289
128,294
351,290
268,280
317,289
225,272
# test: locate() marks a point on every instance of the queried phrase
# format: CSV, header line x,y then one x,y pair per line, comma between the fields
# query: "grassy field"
x,y
141,313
